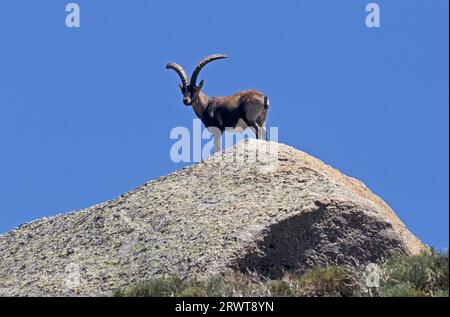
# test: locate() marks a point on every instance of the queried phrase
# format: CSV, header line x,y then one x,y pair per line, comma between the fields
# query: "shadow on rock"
x,y
325,236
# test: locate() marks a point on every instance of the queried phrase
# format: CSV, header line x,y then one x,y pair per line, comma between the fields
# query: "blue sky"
x,y
85,114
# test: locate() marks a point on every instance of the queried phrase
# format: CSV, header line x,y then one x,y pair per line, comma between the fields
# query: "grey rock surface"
x,y
280,210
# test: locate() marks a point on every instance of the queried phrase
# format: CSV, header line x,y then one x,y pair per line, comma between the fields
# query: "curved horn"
x,y
180,71
202,64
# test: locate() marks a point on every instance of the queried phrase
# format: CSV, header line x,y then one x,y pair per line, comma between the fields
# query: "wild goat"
x,y
245,109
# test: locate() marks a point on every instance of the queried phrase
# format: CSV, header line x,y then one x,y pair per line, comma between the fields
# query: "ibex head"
x,y
189,89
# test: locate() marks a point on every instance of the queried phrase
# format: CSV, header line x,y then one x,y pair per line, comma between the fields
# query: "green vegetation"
x,y
421,275
401,276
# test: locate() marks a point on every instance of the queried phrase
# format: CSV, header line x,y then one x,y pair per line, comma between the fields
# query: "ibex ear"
x,y
201,84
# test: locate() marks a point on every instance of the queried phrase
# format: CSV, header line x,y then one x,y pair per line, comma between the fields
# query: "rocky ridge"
x,y
275,211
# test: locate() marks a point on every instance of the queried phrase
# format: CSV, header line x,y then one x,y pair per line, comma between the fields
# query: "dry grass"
x,y
421,275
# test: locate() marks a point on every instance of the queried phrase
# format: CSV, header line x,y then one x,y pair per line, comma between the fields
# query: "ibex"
x,y
245,109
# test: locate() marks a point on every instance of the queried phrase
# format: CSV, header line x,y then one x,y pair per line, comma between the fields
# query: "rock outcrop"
x,y
283,211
